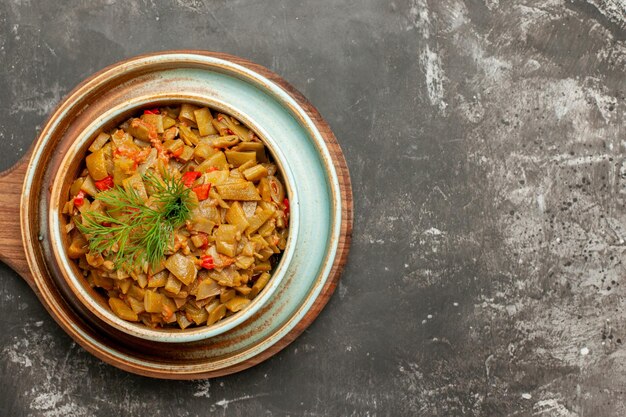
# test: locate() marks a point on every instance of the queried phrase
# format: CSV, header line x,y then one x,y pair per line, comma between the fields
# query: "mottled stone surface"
x,y
486,141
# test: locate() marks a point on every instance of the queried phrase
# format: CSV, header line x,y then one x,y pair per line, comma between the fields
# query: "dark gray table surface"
x,y
486,141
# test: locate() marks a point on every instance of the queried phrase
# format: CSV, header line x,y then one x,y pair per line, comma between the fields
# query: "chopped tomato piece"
x,y
105,183
286,204
151,111
79,200
190,177
207,262
202,191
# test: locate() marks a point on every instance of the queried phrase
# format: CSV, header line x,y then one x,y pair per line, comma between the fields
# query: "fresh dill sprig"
x,y
173,196
130,230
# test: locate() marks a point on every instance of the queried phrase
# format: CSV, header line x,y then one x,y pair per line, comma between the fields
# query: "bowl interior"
x,y
72,164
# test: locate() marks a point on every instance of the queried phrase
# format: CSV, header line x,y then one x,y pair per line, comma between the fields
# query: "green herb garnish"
x,y
134,232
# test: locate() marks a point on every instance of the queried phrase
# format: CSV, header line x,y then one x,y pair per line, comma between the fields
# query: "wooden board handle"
x,y
11,247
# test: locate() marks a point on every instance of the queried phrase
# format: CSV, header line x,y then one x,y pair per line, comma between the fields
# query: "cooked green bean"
x,y
237,158
255,173
203,120
243,191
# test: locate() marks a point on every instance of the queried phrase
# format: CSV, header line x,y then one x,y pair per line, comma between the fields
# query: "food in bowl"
x,y
177,217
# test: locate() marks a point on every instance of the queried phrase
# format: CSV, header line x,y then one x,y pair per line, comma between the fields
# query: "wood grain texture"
x,y
11,247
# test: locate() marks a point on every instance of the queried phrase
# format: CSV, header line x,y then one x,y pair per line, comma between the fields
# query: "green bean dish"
x,y
178,216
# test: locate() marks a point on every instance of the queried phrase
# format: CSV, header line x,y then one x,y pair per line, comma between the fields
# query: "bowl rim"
x,y
79,285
